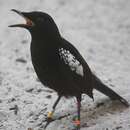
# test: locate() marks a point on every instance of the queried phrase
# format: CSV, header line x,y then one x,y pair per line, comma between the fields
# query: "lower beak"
x,y
29,22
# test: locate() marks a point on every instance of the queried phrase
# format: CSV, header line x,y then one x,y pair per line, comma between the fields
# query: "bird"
x,y
59,65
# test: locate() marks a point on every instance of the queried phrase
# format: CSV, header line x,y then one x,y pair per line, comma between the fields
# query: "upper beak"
x,y
29,22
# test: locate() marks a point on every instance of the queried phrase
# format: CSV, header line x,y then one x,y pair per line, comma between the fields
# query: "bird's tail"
x,y
98,85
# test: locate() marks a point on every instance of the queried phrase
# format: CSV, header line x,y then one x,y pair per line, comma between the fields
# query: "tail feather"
x,y
98,85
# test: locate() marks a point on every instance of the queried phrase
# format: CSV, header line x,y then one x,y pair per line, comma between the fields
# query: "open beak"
x,y
29,22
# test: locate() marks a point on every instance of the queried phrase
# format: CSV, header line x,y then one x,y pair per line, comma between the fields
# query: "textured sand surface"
x,y
100,29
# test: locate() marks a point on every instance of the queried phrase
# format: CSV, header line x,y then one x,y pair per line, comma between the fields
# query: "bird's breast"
x,y
44,56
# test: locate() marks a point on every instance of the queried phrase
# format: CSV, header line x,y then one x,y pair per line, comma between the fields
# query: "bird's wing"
x,y
71,61
71,57
74,66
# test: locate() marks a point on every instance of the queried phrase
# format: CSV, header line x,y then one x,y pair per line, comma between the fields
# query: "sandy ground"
x,y
100,29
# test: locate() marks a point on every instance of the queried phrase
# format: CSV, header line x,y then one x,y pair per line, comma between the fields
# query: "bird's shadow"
x,y
104,108
89,113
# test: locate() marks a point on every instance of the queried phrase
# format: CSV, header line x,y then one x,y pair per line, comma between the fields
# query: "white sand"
x,y
100,29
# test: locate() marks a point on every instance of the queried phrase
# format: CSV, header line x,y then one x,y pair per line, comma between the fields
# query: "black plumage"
x,y
58,64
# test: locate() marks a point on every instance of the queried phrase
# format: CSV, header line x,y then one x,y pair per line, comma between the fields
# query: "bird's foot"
x,y
49,119
76,122
50,114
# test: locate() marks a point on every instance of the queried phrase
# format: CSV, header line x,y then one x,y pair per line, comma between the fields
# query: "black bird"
x,y
58,64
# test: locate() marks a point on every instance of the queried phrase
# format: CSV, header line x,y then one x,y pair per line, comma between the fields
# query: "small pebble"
x,y
15,109
30,90
21,60
118,127
48,96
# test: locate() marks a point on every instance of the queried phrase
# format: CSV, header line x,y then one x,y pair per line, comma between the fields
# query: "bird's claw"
x,y
50,114
76,123
49,119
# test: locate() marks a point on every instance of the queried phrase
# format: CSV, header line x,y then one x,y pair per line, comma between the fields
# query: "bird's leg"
x,y
77,119
50,114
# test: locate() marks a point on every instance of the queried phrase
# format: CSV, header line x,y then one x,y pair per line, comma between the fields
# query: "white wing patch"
x,y
71,61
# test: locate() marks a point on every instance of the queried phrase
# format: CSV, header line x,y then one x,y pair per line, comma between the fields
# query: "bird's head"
x,y
37,22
